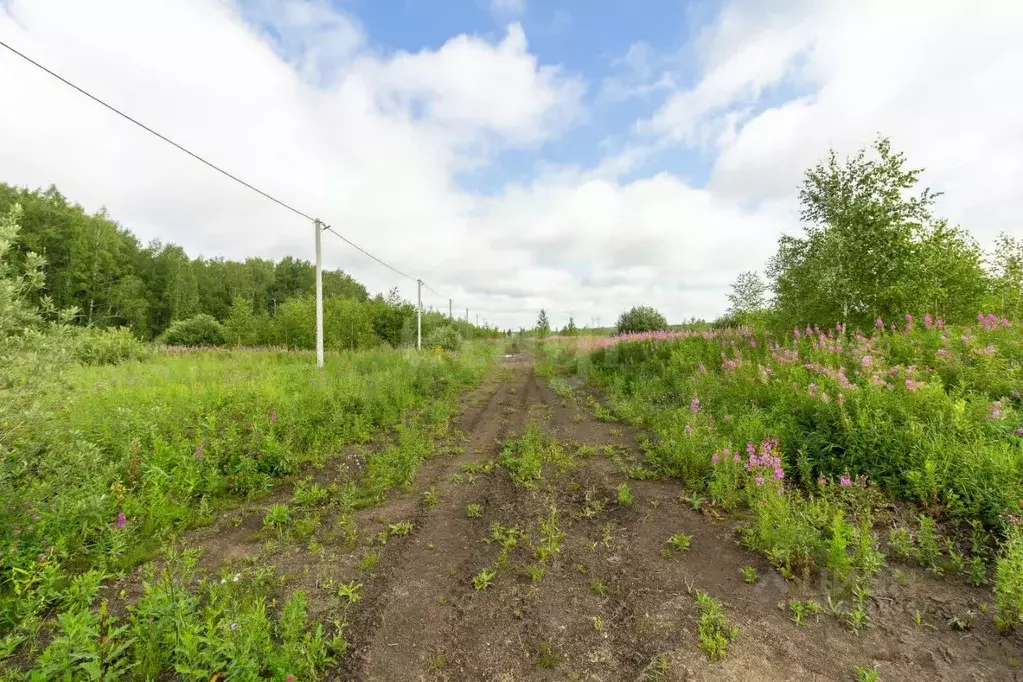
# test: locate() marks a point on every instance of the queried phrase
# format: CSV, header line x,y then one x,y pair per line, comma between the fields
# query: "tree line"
x,y
103,272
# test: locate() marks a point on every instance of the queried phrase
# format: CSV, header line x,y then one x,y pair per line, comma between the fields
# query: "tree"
x,y
1007,281
748,294
640,319
570,328
543,326
239,327
869,245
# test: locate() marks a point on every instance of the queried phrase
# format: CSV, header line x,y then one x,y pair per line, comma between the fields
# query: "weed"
x,y
474,510
598,586
369,560
657,668
607,534
867,674
438,661
624,494
598,624
928,549
400,529
918,620
547,656
535,572
680,542
1009,581
857,619
749,575
431,497
308,494
550,536
483,579
901,541
715,633
277,518
961,623
351,592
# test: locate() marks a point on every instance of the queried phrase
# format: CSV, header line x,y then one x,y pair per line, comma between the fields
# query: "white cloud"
x,y
935,77
295,98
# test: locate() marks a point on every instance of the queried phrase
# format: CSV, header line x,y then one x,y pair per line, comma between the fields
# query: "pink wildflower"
x,y
879,322
760,480
823,480
273,416
714,458
694,404
122,520
866,361
845,481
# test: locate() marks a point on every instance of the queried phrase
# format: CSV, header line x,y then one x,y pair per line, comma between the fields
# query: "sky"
x,y
582,156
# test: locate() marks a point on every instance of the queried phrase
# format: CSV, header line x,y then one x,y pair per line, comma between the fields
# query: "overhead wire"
x,y
204,161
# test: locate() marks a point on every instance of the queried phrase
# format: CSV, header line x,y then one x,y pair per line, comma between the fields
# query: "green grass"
x,y
113,461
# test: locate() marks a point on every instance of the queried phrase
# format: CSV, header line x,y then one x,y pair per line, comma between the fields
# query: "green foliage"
x,y
680,542
200,330
1009,581
640,319
715,633
109,462
870,674
473,510
543,325
551,536
749,575
484,579
446,337
870,248
526,455
749,295
624,494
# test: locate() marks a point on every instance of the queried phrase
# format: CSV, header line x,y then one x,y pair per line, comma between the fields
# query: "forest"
x,y
100,270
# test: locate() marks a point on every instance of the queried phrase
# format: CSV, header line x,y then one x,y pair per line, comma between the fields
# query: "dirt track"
x,y
420,617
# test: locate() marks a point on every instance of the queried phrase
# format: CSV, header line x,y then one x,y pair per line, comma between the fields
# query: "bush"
x,y
641,319
94,346
446,337
200,330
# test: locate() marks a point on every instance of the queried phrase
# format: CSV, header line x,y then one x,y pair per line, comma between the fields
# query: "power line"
x,y
199,158
364,251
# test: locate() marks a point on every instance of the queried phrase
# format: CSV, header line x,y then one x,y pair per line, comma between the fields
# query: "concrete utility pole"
x,y
419,315
319,295
451,315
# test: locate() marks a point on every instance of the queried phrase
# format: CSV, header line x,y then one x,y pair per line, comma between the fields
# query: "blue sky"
x,y
582,157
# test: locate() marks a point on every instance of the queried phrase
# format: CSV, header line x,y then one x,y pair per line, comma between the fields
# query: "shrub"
x,y
1009,582
200,330
95,346
641,319
446,337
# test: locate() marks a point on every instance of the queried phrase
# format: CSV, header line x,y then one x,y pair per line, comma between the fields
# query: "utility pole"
x,y
451,315
419,315
319,295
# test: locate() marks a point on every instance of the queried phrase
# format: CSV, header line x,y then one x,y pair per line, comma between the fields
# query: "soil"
x,y
615,603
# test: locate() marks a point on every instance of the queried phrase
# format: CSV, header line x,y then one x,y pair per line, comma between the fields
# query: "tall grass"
x,y
113,460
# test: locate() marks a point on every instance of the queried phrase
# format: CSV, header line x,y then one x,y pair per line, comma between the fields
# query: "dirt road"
x,y
593,590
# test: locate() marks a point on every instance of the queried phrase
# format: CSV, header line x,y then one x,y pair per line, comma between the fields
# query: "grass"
x,y
126,457
526,455
811,433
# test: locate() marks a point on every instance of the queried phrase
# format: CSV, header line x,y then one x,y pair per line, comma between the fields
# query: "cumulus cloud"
x,y
295,97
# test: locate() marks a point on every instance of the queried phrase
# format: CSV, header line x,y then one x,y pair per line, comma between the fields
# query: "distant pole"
x,y
477,319
467,323
419,315
319,295
451,315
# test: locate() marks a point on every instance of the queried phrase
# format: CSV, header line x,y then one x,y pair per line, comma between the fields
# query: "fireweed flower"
x,y
122,520
823,480
703,370
879,323
760,480
714,458
694,404
234,626
866,360
928,321
845,481
273,416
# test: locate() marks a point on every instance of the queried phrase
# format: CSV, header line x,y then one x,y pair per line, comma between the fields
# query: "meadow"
x,y
105,465
838,449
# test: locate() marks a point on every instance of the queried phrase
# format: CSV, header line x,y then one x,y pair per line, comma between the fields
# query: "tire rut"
x,y
410,593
